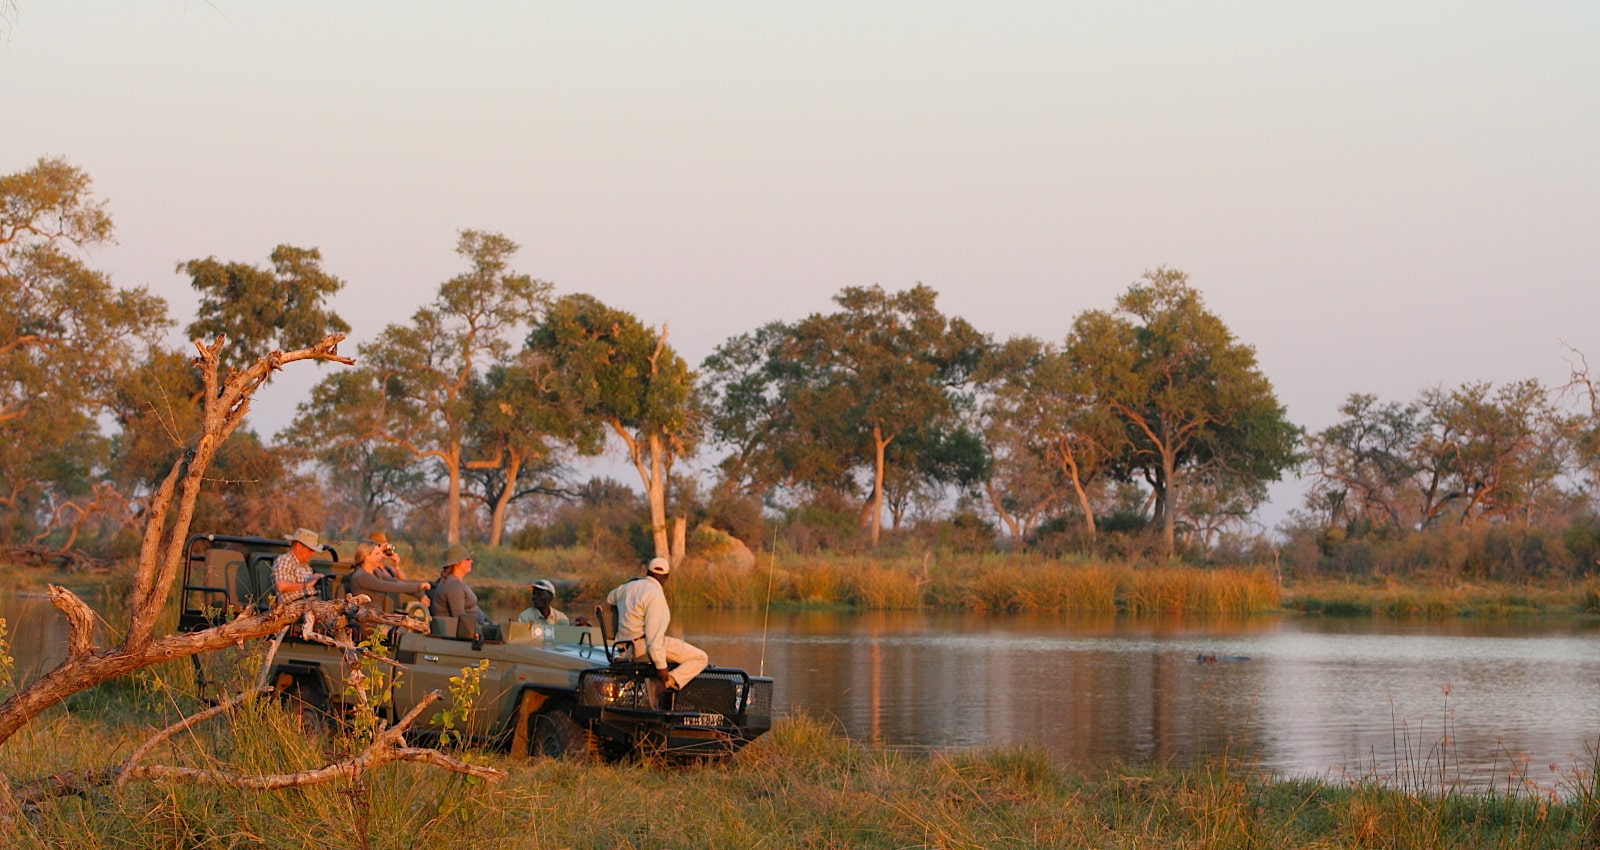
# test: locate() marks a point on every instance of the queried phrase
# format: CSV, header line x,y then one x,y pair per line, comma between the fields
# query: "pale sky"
x,y
1378,196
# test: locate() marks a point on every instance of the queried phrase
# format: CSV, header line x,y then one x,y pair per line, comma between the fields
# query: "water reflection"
x,y
37,634
1477,701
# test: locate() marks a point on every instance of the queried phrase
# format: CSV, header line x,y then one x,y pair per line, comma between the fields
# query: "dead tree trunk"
x,y
226,401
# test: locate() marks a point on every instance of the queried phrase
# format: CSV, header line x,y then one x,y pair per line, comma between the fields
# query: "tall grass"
x,y
990,583
802,786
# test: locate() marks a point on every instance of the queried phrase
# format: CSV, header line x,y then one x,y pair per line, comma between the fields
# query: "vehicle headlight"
x,y
617,690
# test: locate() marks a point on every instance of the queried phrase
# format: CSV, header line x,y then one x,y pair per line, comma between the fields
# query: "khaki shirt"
x,y
642,613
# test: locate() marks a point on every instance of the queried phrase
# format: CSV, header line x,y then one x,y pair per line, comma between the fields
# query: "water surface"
x,y
1480,703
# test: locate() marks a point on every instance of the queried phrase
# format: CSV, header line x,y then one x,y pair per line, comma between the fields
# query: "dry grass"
x,y
802,786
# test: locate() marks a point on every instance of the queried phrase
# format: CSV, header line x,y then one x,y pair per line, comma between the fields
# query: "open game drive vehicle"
x,y
547,691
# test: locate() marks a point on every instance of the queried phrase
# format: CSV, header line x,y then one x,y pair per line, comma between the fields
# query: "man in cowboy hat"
x,y
291,572
642,617
539,611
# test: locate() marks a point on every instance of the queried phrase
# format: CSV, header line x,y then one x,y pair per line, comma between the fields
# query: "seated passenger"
x,y
540,595
453,598
292,576
390,566
371,578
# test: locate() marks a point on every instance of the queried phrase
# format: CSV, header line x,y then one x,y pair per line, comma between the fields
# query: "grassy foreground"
x,y
801,786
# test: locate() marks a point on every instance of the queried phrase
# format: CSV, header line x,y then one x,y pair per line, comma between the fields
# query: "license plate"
x,y
705,720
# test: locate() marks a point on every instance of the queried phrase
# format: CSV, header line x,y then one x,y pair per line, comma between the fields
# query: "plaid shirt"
x,y
289,569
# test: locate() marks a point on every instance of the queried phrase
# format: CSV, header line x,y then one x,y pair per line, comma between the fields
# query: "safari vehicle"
x,y
554,691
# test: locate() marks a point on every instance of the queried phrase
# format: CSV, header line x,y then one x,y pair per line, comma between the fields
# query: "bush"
x,y
966,532
811,529
740,517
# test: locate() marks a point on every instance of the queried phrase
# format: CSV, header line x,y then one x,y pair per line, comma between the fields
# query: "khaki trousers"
x,y
690,659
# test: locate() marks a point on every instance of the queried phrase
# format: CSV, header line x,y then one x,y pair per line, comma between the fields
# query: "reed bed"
x,y
1423,599
802,786
990,584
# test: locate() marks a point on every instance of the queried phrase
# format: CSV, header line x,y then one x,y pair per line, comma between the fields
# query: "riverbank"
x,y
802,786
1021,583
1424,598
972,583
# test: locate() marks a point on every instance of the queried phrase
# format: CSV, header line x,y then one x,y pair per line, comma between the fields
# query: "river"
x,y
1469,703
1478,705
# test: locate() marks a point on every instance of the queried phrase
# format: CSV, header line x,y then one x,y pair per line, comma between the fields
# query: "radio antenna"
x,y
766,612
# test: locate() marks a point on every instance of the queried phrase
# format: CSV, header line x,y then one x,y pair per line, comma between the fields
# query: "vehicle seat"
x,y
606,616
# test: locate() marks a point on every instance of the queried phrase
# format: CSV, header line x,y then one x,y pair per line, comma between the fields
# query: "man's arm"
x,y
290,579
656,617
361,582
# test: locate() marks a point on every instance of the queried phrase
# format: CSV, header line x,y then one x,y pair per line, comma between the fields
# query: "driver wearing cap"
x,y
642,617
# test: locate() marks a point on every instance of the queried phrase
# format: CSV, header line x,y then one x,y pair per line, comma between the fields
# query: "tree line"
x,y
1147,426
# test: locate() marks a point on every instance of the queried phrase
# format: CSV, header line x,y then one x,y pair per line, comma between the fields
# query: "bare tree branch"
x,y
388,746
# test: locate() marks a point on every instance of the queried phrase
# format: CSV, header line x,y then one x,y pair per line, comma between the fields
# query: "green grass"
x,y
802,786
1429,599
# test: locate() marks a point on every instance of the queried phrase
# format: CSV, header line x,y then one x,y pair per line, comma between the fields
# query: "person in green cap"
x,y
452,597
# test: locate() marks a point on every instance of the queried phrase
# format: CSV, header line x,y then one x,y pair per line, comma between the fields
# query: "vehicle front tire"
x,y
554,734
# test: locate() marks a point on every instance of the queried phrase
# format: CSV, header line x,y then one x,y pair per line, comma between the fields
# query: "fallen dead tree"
x,y
387,746
226,401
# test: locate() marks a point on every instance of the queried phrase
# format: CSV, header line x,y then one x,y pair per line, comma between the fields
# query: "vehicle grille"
x,y
760,697
718,692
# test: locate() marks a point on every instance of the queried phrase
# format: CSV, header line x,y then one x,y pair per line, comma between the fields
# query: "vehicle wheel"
x,y
309,710
554,734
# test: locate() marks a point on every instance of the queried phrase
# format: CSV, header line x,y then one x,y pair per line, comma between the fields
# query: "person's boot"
x,y
654,689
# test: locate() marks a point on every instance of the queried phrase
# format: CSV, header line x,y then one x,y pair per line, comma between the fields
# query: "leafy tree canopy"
x,y
260,310
66,336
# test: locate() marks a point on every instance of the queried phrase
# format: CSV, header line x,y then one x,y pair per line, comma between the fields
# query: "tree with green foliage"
x,y
1472,454
427,368
341,429
520,423
1501,450
624,374
66,336
1190,396
1365,464
742,382
1044,402
812,403
925,463
882,364
1021,488
258,309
